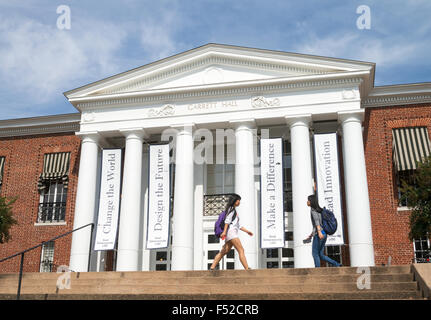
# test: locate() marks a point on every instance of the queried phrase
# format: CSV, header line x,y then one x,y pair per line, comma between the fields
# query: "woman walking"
x,y
319,236
231,230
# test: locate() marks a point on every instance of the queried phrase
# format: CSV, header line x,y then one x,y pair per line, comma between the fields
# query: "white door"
x,y
211,246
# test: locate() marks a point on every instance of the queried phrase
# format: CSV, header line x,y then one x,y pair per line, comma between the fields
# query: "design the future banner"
x,y
158,197
271,185
328,181
109,202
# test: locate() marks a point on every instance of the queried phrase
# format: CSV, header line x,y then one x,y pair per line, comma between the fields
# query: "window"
x,y
47,257
287,176
333,252
408,176
410,146
52,205
52,186
422,250
2,159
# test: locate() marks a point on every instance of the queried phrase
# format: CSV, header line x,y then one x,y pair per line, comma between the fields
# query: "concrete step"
x,y
395,282
217,280
107,288
379,295
404,269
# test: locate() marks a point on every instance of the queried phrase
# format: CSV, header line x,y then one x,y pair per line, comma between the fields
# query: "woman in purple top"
x,y
231,233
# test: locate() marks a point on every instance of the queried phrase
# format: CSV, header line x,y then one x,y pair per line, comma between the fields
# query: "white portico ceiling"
x,y
215,67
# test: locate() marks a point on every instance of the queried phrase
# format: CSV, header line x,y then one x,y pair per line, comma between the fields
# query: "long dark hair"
x,y
231,201
314,203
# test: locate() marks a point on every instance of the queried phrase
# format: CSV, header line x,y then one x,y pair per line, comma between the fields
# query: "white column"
x,y
85,203
130,213
355,180
144,205
183,219
301,187
244,186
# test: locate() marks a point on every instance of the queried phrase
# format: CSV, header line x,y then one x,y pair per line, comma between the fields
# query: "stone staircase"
x,y
394,282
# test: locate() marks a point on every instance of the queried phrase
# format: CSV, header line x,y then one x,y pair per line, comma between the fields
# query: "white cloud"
x,y
42,61
158,35
356,46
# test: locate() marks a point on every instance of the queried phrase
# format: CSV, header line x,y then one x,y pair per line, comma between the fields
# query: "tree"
x,y
419,200
6,218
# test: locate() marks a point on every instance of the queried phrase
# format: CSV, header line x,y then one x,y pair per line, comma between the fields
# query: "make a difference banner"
x,y
271,190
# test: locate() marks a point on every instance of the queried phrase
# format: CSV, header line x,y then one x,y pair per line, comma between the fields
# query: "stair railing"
x,y
21,253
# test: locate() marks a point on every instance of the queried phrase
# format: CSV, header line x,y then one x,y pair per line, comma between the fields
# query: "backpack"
x,y
219,224
329,222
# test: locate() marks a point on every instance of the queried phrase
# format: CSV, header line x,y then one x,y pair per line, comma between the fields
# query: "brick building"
x,y
293,96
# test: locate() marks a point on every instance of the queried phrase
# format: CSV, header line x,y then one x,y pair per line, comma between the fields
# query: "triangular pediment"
x,y
215,64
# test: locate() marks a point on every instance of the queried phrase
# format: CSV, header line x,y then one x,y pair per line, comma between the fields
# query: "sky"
x,y
42,55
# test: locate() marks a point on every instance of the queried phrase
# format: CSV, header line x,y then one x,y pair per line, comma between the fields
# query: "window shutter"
x,y
410,145
2,159
55,167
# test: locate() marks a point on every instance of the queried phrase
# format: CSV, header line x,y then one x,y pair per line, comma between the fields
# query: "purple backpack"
x,y
219,224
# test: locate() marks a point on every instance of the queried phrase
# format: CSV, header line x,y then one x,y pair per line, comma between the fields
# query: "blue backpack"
x,y
219,224
329,222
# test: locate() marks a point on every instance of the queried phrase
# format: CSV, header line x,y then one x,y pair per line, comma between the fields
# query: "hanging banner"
x,y
271,191
328,180
158,197
109,200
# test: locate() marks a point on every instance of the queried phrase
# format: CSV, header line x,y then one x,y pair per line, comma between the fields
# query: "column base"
x,y
303,257
182,259
361,255
127,260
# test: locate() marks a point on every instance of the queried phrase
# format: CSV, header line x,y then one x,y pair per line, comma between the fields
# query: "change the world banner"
x,y
158,197
109,201
328,181
271,190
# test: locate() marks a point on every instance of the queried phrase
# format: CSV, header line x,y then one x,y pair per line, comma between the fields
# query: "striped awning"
x,y
55,167
1,169
410,145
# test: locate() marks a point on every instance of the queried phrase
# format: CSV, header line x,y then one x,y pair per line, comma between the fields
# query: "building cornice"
x,y
398,95
253,87
40,125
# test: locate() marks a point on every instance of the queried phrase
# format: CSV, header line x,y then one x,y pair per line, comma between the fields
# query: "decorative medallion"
x,y
167,110
262,102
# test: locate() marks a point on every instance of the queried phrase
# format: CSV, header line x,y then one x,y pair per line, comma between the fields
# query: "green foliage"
x,y
419,199
6,218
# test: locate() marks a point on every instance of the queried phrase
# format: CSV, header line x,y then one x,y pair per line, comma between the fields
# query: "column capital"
x,y
92,136
351,116
245,123
137,133
298,119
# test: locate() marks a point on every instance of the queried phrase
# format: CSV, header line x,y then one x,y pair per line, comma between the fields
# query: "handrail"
x,y
39,245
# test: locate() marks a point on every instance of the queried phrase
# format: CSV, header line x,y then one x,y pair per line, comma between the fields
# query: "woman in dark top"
x,y
319,236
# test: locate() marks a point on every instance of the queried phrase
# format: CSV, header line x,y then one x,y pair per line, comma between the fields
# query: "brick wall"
x,y
23,165
390,226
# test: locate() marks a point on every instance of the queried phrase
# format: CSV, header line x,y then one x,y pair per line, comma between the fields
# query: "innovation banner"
x,y
158,197
271,190
328,180
109,200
